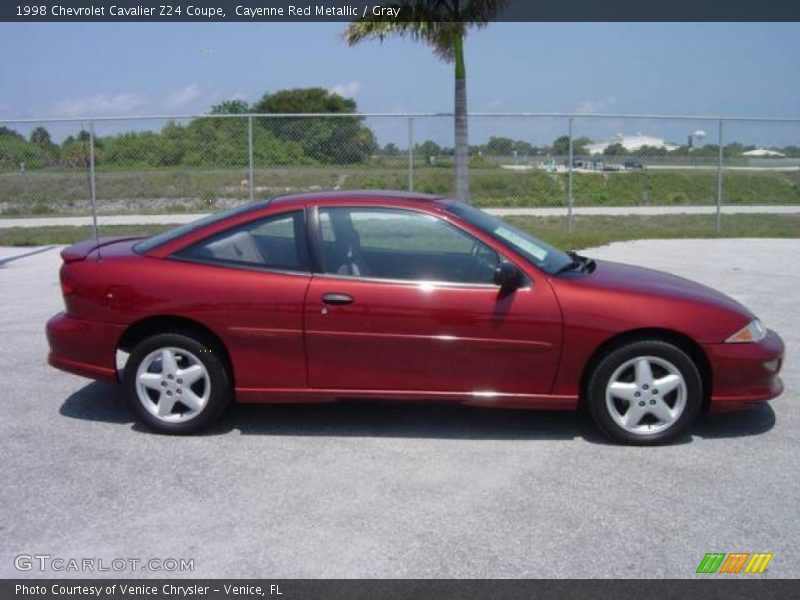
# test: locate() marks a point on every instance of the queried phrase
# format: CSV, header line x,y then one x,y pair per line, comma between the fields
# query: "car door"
x,y
248,283
405,302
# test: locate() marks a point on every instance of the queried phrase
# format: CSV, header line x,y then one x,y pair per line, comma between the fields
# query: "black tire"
x,y
205,352
601,375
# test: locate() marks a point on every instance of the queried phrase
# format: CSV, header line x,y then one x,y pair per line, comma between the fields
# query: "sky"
x,y
114,69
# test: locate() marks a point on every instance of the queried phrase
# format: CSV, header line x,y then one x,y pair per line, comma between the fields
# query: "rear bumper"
x,y
86,348
745,373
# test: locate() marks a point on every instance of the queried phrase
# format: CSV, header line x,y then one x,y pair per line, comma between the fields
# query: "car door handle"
x,y
337,299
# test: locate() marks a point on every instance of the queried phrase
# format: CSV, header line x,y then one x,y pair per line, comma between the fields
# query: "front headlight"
x,y
754,331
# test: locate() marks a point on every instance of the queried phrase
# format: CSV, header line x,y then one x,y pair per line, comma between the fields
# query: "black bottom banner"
x,y
389,589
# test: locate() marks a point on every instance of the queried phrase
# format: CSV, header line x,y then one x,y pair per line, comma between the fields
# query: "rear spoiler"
x,y
82,249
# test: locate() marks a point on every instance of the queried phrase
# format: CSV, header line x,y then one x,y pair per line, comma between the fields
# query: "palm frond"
x,y
435,22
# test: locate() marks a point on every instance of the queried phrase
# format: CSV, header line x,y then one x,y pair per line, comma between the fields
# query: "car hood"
x,y
649,282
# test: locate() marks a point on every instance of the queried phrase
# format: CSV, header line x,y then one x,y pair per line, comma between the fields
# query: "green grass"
x,y
599,230
589,230
172,190
47,236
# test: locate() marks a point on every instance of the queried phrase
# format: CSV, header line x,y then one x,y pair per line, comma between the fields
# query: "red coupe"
x,y
319,297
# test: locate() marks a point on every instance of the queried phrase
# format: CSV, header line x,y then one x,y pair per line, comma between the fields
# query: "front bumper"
x,y
743,373
86,348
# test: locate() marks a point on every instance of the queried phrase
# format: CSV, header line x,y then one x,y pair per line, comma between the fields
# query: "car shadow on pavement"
x,y
753,420
107,403
98,401
407,420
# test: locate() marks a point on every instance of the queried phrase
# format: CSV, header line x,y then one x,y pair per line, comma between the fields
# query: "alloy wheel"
x,y
173,384
646,395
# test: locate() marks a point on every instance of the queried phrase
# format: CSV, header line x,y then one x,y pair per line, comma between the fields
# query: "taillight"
x,y
68,286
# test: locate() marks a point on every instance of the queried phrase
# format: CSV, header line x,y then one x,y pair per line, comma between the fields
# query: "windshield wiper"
x,y
587,262
571,265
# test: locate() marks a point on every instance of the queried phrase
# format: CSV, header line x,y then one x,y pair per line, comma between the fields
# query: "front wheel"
x,y
176,383
645,393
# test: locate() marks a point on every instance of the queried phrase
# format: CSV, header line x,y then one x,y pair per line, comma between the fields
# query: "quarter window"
x,y
402,244
276,242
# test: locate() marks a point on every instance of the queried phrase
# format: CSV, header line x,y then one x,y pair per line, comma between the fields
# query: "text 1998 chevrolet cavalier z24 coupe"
x,y
377,295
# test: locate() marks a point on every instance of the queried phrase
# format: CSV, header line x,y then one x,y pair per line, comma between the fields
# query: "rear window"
x,y
173,234
274,242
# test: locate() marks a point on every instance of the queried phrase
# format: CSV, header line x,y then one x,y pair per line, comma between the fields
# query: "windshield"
x,y
542,255
172,234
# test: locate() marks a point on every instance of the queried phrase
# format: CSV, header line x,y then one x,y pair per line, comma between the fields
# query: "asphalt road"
x,y
396,491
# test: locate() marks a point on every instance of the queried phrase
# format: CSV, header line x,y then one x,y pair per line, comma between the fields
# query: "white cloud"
x,y
182,97
494,104
595,106
99,105
189,97
348,90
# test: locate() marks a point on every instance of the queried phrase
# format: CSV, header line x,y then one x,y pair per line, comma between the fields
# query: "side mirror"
x,y
507,276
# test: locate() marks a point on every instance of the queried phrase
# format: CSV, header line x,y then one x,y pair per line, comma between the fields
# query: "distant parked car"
x,y
590,165
401,296
632,164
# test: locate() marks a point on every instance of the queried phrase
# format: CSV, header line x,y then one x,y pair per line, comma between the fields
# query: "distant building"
x,y
763,152
631,143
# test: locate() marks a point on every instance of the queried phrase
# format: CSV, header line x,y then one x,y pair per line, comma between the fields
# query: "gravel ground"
x,y
359,490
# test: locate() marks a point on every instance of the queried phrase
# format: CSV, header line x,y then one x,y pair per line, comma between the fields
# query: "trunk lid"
x,y
81,250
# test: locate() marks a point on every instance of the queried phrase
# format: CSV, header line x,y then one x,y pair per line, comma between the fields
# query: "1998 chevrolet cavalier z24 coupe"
x,y
326,296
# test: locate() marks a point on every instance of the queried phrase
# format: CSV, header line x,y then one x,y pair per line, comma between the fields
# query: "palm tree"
x,y
443,25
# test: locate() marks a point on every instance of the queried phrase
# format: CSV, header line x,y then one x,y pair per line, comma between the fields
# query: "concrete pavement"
x,y
372,490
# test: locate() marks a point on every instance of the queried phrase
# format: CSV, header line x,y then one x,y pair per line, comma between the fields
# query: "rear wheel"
x,y
177,383
645,393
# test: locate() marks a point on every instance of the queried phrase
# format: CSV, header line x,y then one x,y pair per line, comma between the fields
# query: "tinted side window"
x,y
276,242
402,244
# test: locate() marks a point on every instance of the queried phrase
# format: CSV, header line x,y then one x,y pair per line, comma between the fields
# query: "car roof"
x,y
167,239
347,195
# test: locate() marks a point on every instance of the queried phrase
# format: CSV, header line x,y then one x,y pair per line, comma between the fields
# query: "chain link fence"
x,y
567,168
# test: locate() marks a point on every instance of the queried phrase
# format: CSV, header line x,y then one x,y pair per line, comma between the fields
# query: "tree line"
x,y
223,142
506,147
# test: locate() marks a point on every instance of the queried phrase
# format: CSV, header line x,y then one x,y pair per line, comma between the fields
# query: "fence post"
x,y
569,180
250,156
410,154
92,184
719,180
